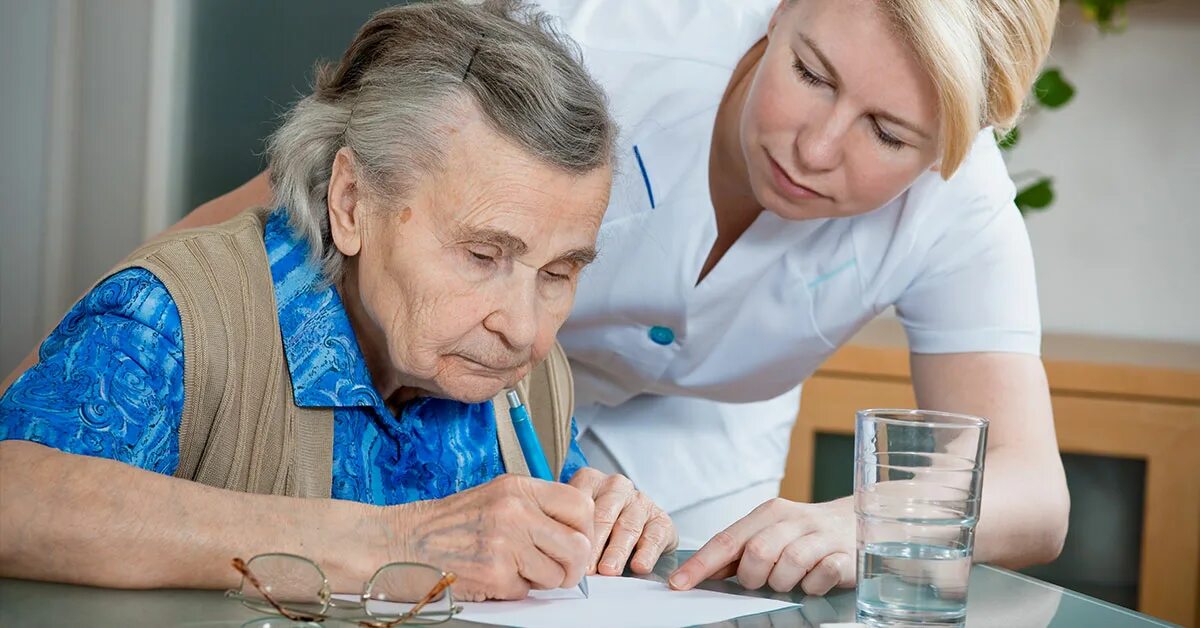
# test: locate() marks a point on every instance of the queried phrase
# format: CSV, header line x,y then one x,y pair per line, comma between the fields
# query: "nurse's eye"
x,y
887,139
807,75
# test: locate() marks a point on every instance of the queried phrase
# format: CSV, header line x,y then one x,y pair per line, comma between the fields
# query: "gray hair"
x,y
397,85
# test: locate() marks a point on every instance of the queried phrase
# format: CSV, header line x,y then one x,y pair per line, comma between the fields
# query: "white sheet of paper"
x,y
618,601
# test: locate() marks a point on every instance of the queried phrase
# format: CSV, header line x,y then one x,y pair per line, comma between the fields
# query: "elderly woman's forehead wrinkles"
x,y
516,185
480,215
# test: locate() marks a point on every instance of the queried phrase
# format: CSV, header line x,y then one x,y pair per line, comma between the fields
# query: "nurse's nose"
x,y
819,144
515,319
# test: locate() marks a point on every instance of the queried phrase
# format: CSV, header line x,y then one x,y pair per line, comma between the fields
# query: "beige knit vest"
x,y
241,429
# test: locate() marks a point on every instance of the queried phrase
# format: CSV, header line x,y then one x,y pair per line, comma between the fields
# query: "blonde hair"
x,y
982,55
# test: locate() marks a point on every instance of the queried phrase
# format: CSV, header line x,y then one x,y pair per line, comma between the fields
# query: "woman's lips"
x,y
486,365
788,186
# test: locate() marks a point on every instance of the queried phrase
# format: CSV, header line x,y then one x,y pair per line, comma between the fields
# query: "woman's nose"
x,y
516,319
819,145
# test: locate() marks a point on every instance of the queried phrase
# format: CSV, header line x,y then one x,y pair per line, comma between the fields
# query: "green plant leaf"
x,y
1036,196
1052,90
1009,139
1109,15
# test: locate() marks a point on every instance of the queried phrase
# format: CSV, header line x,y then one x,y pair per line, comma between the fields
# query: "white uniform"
x,y
692,390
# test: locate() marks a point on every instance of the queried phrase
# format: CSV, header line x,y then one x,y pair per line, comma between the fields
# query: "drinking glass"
x,y
918,477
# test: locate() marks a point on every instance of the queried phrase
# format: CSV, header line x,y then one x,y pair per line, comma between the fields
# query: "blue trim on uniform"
x,y
833,273
645,176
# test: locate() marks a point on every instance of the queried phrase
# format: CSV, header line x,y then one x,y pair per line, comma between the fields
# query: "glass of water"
x,y
918,477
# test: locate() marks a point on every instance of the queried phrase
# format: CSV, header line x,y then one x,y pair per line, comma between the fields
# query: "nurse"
x,y
792,169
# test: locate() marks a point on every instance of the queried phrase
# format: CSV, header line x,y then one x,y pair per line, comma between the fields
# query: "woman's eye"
x,y
556,276
887,139
807,75
482,256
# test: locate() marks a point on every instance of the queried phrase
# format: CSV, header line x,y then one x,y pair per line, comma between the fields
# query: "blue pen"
x,y
531,447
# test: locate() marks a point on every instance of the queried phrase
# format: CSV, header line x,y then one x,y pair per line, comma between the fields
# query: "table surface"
x,y
997,597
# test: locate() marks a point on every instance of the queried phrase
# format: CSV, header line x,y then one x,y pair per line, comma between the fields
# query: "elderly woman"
x,y
437,197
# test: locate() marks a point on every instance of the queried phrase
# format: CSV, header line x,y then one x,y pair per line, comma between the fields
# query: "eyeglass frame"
x,y
326,594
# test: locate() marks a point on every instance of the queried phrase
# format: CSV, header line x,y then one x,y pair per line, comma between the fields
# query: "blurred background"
x,y
119,116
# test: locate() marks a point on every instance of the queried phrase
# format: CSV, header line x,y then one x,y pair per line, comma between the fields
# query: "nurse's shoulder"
x,y
938,224
698,30
981,183
643,53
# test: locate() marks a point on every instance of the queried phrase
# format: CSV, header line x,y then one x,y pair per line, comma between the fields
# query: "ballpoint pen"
x,y
535,458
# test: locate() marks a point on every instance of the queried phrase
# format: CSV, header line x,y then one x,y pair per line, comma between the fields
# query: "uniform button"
x,y
662,335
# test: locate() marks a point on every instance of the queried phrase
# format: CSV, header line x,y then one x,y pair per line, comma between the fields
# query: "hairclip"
x,y
471,62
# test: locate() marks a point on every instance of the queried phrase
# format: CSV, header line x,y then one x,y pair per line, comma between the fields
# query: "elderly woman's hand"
x,y
780,544
501,539
625,519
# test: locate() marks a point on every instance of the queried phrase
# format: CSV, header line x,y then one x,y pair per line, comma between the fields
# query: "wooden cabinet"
x,y
1111,397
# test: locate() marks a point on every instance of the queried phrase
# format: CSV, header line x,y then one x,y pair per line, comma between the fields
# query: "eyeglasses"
x,y
296,588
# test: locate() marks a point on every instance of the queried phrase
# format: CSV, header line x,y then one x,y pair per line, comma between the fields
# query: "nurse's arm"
x,y
1025,500
786,544
253,193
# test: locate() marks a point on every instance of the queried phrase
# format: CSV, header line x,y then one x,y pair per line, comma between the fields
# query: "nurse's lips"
x,y
788,185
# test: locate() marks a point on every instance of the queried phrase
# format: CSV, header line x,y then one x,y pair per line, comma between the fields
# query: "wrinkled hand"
x,y
503,538
781,544
625,520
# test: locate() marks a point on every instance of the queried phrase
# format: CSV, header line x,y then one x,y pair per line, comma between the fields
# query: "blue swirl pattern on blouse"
x,y
109,383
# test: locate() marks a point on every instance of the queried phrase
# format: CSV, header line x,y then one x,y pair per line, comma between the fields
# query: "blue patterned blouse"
x,y
109,383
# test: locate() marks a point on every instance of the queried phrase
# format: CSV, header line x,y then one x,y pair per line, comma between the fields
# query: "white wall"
x,y
109,150
25,42
89,149
1119,252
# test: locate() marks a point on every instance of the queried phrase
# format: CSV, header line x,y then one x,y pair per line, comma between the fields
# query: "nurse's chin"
x,y
803,210
791,208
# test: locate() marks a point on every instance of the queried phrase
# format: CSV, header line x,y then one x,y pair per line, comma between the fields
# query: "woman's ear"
x,y
346,215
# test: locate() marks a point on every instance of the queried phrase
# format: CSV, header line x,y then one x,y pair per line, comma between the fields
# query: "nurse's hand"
x,y
781,544
626,520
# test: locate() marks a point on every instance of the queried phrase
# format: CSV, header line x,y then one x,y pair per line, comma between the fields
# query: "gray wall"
x,y
110,147
72,158
249,62
25,29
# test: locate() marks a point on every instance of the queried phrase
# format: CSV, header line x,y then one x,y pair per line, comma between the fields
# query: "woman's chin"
x,y
476,388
